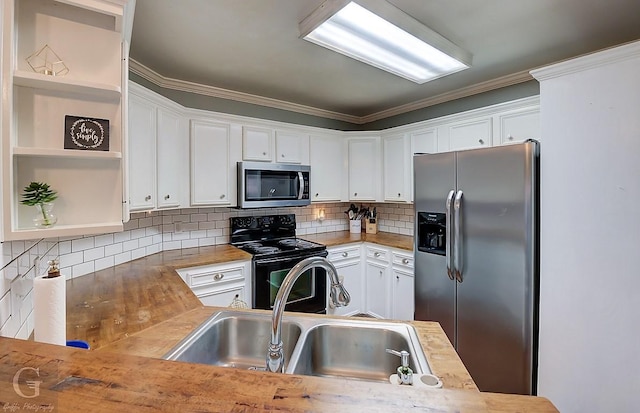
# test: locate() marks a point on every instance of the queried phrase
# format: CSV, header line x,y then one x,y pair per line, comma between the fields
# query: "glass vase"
x,y
44,217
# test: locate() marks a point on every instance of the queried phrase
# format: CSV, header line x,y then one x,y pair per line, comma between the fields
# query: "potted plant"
x,y
41,196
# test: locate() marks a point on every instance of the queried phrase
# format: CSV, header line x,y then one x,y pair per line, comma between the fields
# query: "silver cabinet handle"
x,y
222,196
510,137
457,228
167,197
398,194
218,276
398,277
376,254
317,194
405,261
282,155
355,194
481,141
345,254
264,153
448,232
147,198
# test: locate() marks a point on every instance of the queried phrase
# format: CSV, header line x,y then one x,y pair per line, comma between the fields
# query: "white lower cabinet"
x,y
377,289
346,259
402,286
218,284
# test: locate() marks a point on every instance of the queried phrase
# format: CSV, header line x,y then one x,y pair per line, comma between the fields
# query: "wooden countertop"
x,y
135,312
331,239
72,380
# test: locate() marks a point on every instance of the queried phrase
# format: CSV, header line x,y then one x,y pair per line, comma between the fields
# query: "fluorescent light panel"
x,y
362,35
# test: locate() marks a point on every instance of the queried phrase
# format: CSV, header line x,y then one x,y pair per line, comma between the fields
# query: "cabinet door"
x,y
222,297
519,125
326,156
256,144
289,147
403,294
377,290
142,154
173,159
364,169
396,168
350,273
210,142
425,141
475,133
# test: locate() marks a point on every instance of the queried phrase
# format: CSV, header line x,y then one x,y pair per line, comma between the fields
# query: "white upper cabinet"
x,y
397,168
422,141
518,125
257,144
364,168
213,162
142,154
292,147
39,142
158,152
327,161
470,134
173,159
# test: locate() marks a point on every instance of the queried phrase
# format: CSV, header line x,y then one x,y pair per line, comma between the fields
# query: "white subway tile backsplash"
x,y
94,254
69,260
122,258
190,243
113,249
137,233
82,244
64,247
145,222
82,269
138,253
122,236
130,245
5,308
103,263
131,224
102,240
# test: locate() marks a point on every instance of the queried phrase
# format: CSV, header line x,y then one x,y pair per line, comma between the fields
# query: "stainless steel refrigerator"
x,y
477,260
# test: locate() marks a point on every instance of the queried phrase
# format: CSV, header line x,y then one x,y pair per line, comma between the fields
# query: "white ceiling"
x,y
252,47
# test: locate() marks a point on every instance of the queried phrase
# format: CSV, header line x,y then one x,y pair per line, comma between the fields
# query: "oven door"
x,y
308,294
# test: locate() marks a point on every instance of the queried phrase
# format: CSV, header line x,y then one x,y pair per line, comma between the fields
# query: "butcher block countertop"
x,y
133,313
331,239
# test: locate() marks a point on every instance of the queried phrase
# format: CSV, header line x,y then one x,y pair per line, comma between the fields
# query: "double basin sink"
x,y
314,346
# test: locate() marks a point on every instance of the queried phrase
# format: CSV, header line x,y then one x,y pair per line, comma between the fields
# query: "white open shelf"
x,y
64,231
66,153
65,84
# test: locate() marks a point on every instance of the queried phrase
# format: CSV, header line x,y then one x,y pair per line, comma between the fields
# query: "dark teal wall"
x,y
196,101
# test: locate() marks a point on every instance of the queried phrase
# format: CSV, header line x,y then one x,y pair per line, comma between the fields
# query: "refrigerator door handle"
x,y
448,232
457,237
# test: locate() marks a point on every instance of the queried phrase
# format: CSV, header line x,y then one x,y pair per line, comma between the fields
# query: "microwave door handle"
x,y
448,232
301,187
457,229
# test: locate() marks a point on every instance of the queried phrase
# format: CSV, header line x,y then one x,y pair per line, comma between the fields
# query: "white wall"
x,y
590,233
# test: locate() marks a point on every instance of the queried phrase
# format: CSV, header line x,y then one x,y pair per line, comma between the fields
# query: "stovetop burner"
x,y
270,236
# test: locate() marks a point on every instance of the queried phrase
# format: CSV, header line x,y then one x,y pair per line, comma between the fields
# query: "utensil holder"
x,y
355,226
372,226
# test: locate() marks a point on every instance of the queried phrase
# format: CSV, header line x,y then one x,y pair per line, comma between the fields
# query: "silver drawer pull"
x,y
405,261
345,254
222,196
218,276
481,141
167,197
376,254
147,198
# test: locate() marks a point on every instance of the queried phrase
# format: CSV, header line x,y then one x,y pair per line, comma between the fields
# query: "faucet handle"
x,y
403,354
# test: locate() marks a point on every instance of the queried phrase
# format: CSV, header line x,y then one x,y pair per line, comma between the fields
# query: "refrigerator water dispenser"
x,y
432,232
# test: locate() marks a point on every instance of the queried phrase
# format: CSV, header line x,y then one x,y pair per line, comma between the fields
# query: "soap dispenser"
x,y
405,374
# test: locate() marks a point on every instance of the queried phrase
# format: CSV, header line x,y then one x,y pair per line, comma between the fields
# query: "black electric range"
x,y
275,250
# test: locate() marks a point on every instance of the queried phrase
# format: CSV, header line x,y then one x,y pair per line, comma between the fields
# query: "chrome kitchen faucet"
x,y
339,296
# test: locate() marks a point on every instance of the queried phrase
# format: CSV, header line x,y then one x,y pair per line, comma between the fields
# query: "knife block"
x,y
372,226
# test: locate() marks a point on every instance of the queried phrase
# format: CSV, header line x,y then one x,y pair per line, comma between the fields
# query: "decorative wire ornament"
x,y
47,62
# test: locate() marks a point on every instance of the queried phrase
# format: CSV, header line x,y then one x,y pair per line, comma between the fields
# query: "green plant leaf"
x,y
38,193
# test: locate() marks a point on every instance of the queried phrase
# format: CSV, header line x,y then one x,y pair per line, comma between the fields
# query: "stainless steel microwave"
x,y
262,185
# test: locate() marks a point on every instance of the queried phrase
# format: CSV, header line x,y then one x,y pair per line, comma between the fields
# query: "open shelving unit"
x,y
91,38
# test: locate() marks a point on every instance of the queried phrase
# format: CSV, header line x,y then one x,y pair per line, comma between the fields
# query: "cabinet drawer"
x,y
212,275
379,254
402,260
222,297
342,254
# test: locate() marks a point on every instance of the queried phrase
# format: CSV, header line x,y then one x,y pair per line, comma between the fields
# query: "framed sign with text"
x,y
89,134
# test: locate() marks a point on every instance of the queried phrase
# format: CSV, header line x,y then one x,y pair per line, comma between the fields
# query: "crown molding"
x,y
191,87
185,86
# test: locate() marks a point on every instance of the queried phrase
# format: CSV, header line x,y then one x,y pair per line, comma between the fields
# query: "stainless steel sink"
x,y
328,347
353,352
233,340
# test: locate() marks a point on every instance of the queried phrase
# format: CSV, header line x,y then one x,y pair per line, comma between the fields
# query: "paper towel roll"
x,y
50,310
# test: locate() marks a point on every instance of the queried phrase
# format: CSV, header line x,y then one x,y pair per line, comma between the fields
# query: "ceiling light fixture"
x,y
383,36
